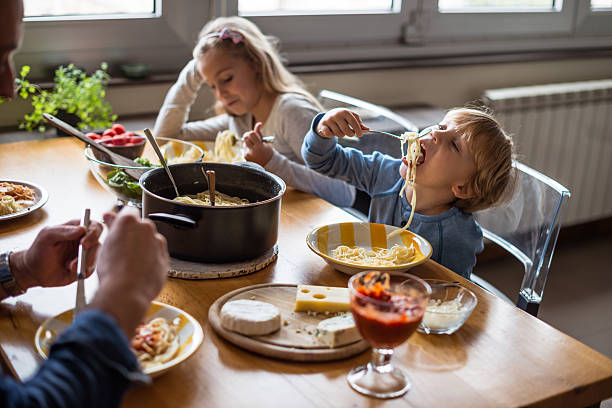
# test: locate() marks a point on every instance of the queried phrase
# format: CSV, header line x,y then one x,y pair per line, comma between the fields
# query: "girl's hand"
x,y
256,150
340,122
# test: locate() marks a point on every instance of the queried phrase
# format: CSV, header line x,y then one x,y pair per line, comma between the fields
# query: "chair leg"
x,y
530,307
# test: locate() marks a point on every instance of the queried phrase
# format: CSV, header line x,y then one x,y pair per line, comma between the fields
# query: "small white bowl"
x,y
449,307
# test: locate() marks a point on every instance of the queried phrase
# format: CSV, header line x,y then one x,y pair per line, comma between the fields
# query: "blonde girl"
x,y
255,96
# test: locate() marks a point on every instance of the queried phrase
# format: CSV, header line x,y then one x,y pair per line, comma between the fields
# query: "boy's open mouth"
x,y
421,159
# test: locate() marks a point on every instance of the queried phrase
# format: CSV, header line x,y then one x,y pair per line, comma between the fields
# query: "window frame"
x,y
415,31
160,39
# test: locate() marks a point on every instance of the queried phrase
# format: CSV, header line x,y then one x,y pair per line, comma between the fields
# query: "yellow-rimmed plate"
x,y
189,331
323,240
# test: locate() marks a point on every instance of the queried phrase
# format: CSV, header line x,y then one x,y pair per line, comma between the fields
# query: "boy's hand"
x,y
340,122
256,150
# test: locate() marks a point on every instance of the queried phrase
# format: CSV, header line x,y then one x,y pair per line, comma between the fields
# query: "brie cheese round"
x,y
250,317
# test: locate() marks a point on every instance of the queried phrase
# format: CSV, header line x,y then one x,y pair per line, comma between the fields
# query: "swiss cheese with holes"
x,y
321,299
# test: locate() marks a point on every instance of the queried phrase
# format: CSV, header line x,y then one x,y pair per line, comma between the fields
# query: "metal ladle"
x,y
153,142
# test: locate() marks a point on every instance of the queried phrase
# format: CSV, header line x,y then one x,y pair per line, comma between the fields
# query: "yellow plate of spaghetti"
x,y
352,247
187,333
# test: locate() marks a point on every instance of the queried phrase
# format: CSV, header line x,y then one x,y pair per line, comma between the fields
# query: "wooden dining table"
x,y
501,357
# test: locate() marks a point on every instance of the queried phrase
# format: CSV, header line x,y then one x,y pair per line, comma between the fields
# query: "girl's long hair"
x,y
260,49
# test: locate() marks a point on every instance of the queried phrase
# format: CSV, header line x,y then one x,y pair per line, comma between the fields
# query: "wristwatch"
x,y
7,280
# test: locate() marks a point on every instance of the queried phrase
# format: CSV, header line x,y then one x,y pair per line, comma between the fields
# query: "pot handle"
x,y
173,219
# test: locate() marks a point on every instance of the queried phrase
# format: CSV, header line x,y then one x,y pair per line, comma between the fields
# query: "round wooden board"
x,y
295,340
194,270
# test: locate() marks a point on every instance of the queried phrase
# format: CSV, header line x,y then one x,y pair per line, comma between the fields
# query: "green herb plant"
x,y
74,92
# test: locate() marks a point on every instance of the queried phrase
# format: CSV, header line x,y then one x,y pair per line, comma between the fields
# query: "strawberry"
x,y
109,132
93,136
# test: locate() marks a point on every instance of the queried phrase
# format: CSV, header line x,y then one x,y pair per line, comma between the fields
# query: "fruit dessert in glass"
x,y
387,309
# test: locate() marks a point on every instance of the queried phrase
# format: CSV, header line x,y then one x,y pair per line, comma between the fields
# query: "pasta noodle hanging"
x,y
396,255
413,154
203,198
227,149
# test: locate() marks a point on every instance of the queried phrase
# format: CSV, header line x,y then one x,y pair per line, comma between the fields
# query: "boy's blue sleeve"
x,y
90,365
351,165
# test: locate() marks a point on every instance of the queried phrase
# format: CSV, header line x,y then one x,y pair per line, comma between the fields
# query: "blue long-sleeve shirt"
x,y
454,235
89,365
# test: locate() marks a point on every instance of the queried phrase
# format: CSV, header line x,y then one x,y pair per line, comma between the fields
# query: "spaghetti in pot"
x,y
375,257
155,343
203,198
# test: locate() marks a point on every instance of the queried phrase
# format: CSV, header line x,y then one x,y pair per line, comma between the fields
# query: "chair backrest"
x,y
527,226
374,116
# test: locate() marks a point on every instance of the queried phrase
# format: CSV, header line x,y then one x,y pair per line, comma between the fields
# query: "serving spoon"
x,y
160,156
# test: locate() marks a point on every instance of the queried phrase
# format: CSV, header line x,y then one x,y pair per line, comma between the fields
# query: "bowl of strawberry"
x,y
119,141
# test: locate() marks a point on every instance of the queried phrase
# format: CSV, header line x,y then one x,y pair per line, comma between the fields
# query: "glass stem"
x,y
381,360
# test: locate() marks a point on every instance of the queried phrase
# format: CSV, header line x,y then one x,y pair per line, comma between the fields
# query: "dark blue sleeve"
x,y
90,365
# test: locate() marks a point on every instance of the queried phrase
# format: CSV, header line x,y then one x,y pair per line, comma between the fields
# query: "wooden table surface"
x,y
500,357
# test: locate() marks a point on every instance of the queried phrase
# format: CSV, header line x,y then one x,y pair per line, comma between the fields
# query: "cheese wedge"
x,y
250,317
337,331
321,299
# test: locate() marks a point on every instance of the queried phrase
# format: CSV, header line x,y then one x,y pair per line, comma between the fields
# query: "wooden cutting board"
x,y
295,340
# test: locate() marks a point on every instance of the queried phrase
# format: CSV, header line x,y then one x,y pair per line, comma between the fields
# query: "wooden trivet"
x,y
194,270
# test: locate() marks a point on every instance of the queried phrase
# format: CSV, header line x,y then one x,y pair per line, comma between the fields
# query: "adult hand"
x,y
255,149
340,122
52,258
132,268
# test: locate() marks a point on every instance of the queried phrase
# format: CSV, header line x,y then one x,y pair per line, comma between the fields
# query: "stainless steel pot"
x,y
215,234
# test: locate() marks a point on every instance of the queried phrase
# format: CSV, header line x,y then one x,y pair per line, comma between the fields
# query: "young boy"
x,y
466,165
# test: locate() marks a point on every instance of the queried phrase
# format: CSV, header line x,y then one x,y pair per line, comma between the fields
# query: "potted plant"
x,y
73,93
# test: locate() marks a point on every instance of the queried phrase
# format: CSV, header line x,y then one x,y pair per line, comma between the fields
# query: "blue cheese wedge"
x,y
337,331
250,317
321,299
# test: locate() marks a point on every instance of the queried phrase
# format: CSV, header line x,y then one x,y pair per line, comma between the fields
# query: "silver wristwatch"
x,y
7,280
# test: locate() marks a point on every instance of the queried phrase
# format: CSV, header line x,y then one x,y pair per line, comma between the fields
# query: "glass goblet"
x,y
387,309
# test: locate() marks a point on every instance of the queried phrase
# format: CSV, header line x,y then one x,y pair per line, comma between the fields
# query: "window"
x,y
315,31
280,7
46,8
492,5
158,33
601,4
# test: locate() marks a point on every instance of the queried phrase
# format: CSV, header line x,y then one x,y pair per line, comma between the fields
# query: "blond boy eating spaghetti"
x,y
465,166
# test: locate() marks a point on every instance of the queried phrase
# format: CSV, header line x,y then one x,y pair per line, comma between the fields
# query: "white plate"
x,y
190,334
40,198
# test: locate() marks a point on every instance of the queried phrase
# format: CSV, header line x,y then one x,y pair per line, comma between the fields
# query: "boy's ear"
x,y
462,191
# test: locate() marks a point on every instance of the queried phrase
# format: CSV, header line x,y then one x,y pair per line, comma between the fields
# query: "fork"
x,y
81,270
422,133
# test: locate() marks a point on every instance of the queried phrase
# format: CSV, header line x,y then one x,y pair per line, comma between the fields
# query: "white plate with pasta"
x,y
185,337
19,198
352,247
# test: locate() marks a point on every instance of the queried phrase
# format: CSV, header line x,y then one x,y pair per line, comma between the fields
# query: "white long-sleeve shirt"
x,y
289,121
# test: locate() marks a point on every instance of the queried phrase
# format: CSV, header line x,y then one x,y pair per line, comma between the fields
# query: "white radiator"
x,y
565,132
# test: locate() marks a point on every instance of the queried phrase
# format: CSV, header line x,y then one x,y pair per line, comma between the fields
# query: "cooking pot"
x,y
215,234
